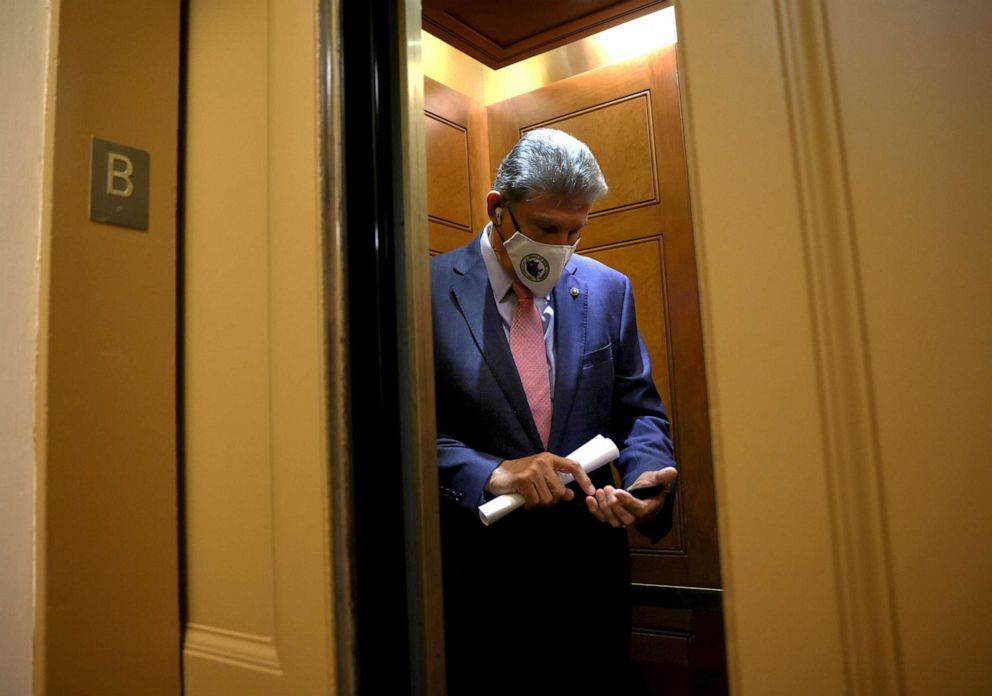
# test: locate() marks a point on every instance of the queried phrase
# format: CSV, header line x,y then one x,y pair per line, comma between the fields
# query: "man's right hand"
x,y
536,479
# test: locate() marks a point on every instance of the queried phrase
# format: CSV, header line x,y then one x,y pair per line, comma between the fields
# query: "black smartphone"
x,y
643,492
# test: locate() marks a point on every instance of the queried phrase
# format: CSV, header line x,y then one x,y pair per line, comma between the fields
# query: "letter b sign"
x,y
119,185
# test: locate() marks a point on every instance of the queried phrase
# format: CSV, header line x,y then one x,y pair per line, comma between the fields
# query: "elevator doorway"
x,y
628,112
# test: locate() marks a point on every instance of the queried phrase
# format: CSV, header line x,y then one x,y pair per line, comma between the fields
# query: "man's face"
x,y
548,219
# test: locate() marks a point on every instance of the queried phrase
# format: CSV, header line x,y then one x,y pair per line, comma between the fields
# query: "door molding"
x,y
851,445
804,548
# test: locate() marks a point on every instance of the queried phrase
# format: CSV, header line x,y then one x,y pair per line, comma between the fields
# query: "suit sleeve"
x,y
463,471
639,423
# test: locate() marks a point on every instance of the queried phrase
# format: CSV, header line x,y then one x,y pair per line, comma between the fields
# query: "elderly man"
x,y
536,352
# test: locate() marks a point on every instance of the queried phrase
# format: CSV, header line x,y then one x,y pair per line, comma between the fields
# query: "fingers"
x,y
573,468
535,492
537,479
622,514
543,487
558,489
640,509
607,507
531,497
618,508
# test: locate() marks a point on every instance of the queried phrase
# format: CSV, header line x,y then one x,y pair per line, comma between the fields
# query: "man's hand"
x,y
619,508
536,479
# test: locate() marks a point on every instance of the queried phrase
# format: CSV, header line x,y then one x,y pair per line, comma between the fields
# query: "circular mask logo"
x,y
534,267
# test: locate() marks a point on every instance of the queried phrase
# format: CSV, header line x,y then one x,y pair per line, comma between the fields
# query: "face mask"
x,y
537,265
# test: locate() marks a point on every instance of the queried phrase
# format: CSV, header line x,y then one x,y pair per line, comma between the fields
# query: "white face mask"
x,y
537,265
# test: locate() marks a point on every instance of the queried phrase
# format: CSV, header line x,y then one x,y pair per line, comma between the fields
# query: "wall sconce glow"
x,y
638,36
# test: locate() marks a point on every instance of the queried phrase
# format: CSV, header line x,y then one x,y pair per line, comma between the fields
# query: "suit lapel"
x,y
571,314
474,296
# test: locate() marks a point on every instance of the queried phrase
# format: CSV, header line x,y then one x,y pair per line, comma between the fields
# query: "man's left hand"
x,y
618,508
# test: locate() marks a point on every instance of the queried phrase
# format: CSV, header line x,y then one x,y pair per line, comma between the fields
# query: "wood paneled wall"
x,y
457,135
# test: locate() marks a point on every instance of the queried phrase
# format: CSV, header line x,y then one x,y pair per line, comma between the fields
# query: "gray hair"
x,y
549,161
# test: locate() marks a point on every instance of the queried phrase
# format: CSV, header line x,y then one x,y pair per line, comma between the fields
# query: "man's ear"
x,y
494,207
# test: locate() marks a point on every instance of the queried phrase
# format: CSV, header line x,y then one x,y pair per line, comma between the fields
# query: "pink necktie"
x,y
527,346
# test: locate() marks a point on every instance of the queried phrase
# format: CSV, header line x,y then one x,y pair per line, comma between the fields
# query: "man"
x,y
536,352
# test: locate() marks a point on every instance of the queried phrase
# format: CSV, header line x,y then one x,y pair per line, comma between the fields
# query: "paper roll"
x,y
599,451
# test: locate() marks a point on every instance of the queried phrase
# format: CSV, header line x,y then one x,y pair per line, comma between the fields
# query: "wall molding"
x,y
844,376
233,647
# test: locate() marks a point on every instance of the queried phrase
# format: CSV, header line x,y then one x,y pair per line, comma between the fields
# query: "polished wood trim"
x,y
864,574
470,31
416,371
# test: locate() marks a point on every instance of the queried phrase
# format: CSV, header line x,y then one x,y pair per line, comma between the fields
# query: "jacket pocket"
x,y
595,357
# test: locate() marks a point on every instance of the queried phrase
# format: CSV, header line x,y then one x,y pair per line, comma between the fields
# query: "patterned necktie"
x,y
527,346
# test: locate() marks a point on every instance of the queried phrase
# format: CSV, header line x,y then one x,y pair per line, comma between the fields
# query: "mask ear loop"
x,y
513,219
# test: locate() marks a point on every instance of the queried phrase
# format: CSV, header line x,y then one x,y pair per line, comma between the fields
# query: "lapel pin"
x,y
574,292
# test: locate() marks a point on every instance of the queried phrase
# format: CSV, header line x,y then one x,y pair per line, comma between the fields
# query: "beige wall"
x,y
107,567
914,83
258,584
24,33
841,157
782,616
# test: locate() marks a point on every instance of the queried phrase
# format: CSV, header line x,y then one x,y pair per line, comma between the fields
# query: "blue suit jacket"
x,y
603,383
603,386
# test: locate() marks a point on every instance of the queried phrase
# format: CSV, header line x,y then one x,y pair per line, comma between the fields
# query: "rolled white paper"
x,y
599,451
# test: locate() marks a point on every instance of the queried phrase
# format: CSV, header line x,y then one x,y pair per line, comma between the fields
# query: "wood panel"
x,y
659,657
448,189
675,651
498,34
629,116
456,133
644,263
620,134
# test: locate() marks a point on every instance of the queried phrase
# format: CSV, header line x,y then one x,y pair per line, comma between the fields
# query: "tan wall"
x,y
107,569
782,615
24,34
914,84
840,156
258,582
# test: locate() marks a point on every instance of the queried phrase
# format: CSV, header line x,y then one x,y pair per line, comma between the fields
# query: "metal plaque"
x,y
119,184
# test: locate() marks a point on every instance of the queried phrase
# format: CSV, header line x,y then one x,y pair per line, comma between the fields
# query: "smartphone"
x,y
643,492
640,493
